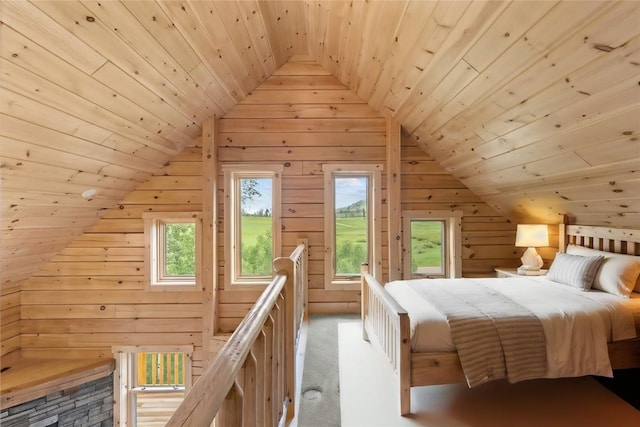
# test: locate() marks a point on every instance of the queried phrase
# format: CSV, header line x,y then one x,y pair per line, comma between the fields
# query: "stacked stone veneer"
x,y
89,404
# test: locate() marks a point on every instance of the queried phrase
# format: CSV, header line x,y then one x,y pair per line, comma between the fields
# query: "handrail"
x,y
251,380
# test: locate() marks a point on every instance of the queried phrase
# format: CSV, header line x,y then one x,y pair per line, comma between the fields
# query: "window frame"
x,y
452,237
154,255
232,216
125,383
374,210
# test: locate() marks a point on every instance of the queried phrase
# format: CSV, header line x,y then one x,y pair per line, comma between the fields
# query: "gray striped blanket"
x,y
495,337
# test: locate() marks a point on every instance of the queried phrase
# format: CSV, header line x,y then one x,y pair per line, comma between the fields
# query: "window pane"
x,y
180,249
160,369
427,249
351,230
256,241
155,409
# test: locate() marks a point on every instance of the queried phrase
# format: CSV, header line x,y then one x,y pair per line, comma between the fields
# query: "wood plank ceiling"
x,y
533,105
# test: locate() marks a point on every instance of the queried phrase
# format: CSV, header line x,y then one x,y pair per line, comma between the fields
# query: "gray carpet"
x,y
320,390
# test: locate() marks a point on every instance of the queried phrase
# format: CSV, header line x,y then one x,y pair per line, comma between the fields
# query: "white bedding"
x,y
577,324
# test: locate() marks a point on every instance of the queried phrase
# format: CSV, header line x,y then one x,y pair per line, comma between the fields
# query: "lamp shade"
x,y
532,235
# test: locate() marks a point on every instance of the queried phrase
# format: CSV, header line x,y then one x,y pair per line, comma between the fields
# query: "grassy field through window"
x,y
426,242
257,243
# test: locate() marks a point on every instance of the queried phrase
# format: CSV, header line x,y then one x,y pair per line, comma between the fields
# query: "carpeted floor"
x,y
320,389
369,397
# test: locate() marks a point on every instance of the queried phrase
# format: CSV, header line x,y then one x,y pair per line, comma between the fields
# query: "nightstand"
x,y
513,272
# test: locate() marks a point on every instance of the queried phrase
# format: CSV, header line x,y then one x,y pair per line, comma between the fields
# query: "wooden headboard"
x,y
617,240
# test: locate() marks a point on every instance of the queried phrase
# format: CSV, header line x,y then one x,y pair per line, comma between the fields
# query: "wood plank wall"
x,y
302,117
92,296
305,117
487,237
10,323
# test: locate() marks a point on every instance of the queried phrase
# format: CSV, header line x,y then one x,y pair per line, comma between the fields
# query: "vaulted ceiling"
x,y
534,105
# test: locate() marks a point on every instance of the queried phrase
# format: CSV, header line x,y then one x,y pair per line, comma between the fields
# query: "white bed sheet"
x,y
577,324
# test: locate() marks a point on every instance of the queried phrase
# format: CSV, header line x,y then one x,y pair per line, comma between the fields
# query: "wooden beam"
x,y
393,198
209,243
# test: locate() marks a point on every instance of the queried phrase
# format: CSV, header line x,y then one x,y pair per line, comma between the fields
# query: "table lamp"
x,y
531,236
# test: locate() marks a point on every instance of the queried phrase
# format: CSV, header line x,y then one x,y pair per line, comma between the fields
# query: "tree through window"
x,y
252,222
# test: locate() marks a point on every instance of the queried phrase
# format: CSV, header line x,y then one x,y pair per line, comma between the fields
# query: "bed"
x,y
430,361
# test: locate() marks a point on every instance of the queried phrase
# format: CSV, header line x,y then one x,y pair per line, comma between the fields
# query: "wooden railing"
x,y
252,380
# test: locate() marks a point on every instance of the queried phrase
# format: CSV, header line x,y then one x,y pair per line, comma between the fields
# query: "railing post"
x,y
285,266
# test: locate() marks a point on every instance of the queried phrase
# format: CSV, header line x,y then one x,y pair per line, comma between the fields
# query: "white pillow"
x,y
574,270
619,274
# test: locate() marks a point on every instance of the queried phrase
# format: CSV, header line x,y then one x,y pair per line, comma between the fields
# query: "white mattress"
x,y
561,309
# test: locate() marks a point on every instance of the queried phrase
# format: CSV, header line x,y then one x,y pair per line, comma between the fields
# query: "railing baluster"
x,y
268,380
260,403
249,388
251,382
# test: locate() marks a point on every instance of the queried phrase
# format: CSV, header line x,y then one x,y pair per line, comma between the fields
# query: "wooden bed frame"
x,y
388,323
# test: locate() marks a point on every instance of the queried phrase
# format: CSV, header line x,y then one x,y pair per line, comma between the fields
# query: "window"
x,y
432,244
150,383
173,249
352,199
252,223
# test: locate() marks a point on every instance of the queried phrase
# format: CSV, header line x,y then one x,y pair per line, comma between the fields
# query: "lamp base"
x,y
531,260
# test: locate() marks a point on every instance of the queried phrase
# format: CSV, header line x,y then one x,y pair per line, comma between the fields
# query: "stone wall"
x,y
90,404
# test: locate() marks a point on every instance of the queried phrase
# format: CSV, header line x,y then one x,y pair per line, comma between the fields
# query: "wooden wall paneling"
x,y
10,322
593,77
291,26
20,183
369,19
151,16
349,48
103,35
469,80
37,135
598,106
610,152
487,237
184,127
591,133
276,39
38,26
315,15
218,35
224,82
513,23
302,139
405,40
466,22
39,171
527,52
458,78
258,34
566,49
91,295
376,50
209,181
393,185
235,23
332,38
89,283
295,125
24,68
